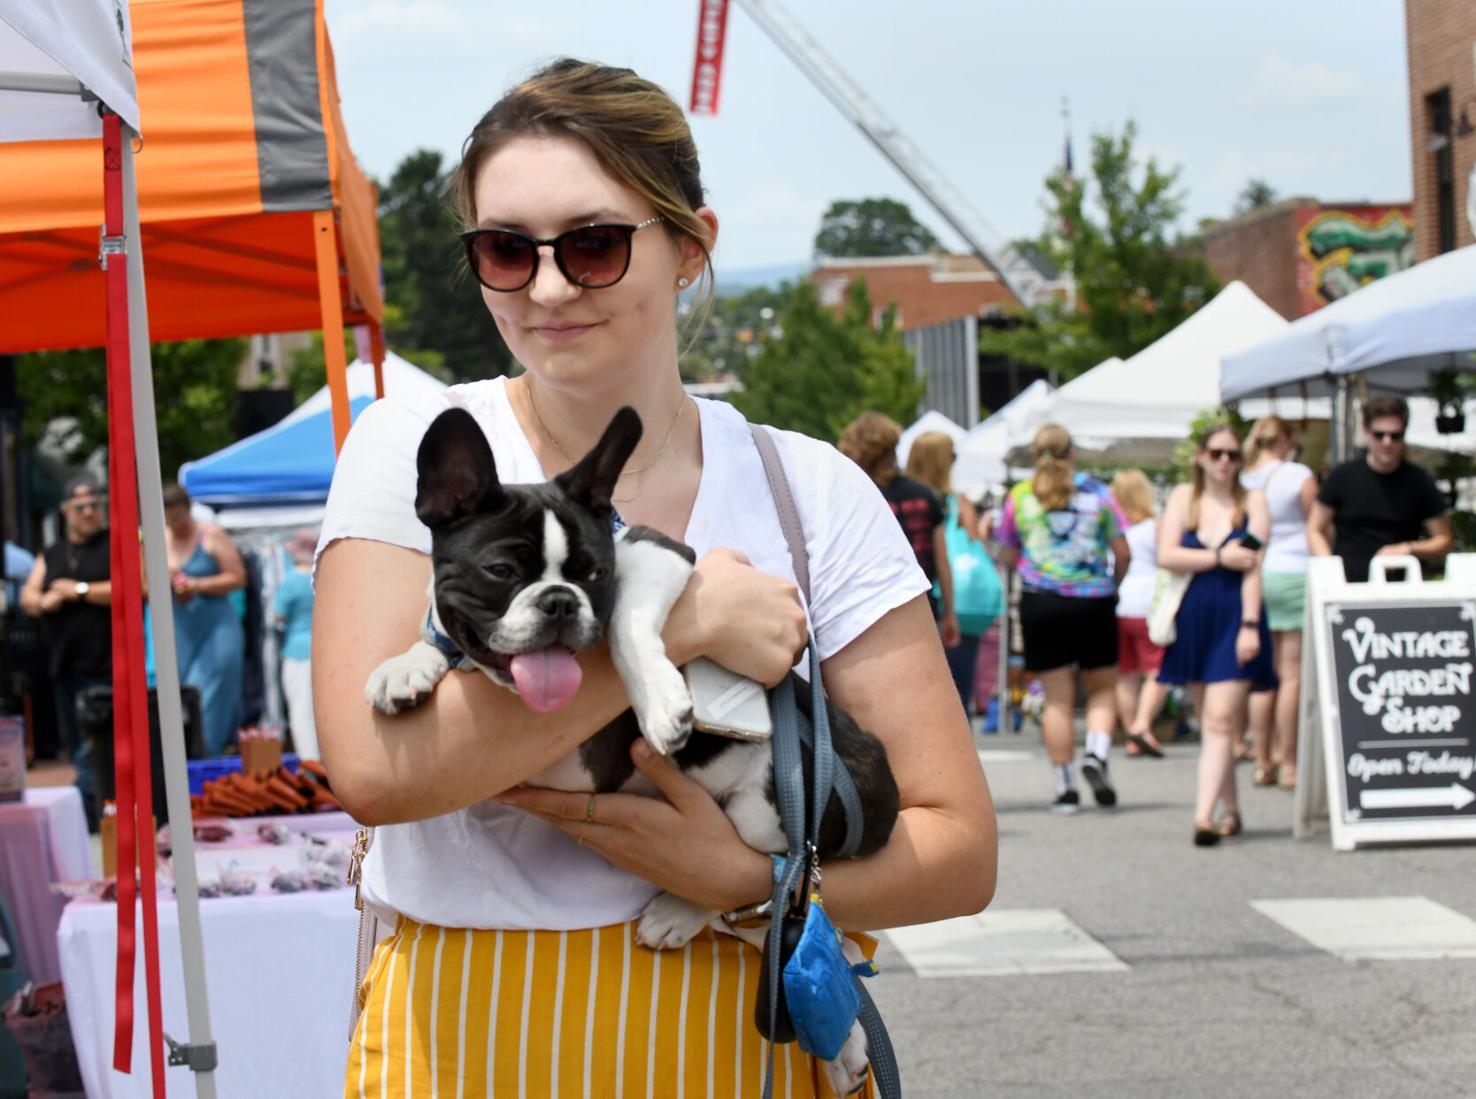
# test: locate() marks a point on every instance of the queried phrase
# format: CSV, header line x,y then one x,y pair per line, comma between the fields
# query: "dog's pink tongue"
x,y
546,678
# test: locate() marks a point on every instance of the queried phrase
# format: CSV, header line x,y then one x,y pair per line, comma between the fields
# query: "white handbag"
x,y
1163,612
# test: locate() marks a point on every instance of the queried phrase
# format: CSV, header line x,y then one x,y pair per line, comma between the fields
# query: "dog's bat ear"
x,y
457,473
592,481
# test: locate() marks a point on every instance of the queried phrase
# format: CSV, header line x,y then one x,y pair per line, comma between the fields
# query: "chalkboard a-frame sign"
x,y
1388,732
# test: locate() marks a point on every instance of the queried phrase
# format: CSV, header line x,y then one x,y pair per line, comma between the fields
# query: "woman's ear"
x,y
693,261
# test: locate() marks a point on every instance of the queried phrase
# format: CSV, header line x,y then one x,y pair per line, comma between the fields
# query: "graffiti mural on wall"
x,y
1342,249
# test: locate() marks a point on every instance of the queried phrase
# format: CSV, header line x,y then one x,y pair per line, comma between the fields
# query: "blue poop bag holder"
x,y
808,991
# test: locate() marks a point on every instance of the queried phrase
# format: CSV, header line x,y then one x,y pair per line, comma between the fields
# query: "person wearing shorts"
x,y
1139,694
1063,532
1290,490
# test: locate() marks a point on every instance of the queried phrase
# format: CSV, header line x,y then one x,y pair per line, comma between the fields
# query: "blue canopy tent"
x,y
291,463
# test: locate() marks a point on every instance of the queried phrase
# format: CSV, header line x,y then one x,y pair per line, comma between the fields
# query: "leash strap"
x,y
789,790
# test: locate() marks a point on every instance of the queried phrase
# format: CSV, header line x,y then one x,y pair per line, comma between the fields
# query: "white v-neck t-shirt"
x,y
494,866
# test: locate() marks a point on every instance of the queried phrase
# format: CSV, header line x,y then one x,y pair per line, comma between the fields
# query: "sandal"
x,y
1265,774
1146,744
1205,834
1230,825
1287,780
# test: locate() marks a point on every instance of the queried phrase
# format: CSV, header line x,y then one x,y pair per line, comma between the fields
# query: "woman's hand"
x,y
1235,557
184,587
1247,645
748,621
682,841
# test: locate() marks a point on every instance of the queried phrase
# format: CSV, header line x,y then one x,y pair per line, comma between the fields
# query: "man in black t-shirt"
x,y
70,592
1379,504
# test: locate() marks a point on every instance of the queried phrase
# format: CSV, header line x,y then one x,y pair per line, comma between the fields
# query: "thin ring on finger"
x,y
589,810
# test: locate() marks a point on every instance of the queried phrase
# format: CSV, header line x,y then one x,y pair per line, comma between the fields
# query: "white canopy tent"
x,y
980,460
58,64
930,420
1156,394
1393,332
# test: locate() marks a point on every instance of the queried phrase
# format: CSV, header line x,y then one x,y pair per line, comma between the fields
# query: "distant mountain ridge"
x,y
736,280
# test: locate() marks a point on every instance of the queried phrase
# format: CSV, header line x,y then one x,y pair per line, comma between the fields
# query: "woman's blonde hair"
x,y
1264,433
635,130
870,440
1133,494
1237,490
931,461
1052,481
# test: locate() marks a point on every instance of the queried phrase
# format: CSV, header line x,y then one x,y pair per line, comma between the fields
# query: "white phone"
x,y
726,703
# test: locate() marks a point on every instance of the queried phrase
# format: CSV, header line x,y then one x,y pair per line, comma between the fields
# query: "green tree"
x,y
433,303
872,227
194,391
1134,283
821,370
1255,194
733,332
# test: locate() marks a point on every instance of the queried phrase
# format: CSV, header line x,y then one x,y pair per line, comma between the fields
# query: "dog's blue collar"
x,y
448,648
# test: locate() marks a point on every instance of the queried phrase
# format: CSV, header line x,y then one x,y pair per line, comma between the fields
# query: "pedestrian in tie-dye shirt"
x,y
1064,532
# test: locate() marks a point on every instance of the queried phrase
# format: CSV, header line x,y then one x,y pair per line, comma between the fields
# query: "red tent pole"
x,y
134,783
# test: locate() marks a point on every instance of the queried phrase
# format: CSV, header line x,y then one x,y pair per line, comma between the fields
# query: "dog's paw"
x,y
670,922
404,681
665,707
847,1073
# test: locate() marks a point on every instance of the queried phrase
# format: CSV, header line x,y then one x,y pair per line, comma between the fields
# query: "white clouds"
x,y
452,27
771,222
1281,82
1287,170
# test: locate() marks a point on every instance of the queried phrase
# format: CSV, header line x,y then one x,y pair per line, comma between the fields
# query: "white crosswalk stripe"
x,y
1385,928
1003,943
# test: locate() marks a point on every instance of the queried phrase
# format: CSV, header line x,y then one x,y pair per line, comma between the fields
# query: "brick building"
x,y
1440,36
926,290
1299,254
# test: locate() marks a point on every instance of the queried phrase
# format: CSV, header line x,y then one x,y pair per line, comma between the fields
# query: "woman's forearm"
x,y
1186,559
470,740
934,867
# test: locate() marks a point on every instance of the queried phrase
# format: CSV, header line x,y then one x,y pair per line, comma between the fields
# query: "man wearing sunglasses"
x,y
1380,503
70,592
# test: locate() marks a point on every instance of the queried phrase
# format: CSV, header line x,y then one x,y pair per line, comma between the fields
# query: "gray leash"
x,y
790,730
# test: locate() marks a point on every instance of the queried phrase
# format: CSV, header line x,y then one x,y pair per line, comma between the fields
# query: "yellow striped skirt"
x,y
458,1014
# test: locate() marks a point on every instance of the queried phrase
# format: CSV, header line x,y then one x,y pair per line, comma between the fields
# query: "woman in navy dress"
x,y
1223,644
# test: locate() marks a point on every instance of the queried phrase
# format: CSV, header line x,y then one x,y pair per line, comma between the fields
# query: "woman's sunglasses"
x,y
591,256
1218,455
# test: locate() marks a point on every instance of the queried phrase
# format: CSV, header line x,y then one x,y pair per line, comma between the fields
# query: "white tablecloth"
x,y
43,839
280,973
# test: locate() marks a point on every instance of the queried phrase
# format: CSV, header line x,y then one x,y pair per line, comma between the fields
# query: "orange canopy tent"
x,y
255,217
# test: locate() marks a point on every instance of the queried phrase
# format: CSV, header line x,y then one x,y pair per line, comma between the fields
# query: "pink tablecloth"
x,y
43,839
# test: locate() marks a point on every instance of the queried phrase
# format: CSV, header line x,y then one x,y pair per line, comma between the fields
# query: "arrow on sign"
x,y
1454,796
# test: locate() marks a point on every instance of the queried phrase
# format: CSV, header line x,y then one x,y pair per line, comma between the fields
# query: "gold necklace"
x,y
670,433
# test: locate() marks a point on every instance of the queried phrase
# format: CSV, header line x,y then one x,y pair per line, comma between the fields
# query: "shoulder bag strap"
x,y
789,786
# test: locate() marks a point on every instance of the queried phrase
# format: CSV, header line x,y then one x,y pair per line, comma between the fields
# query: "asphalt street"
x,y
1210,996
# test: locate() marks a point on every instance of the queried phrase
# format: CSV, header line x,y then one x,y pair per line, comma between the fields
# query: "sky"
x,y
1311,97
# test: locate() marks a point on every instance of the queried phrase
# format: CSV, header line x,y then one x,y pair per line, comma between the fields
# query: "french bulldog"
x,y
526,576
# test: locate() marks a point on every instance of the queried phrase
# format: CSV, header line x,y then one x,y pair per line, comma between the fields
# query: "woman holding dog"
x,y
514,964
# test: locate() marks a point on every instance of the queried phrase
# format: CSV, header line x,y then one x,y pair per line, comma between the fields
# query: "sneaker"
x,y
1095,772
1069,802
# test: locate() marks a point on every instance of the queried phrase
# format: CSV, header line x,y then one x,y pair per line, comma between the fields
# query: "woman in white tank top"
x,y
1290,490
1139,694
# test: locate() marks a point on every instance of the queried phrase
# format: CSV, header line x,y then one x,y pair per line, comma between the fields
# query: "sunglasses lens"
x,y
596,255
502,260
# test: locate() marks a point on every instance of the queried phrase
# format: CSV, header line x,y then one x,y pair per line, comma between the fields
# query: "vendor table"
x,y
43,840
279,969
